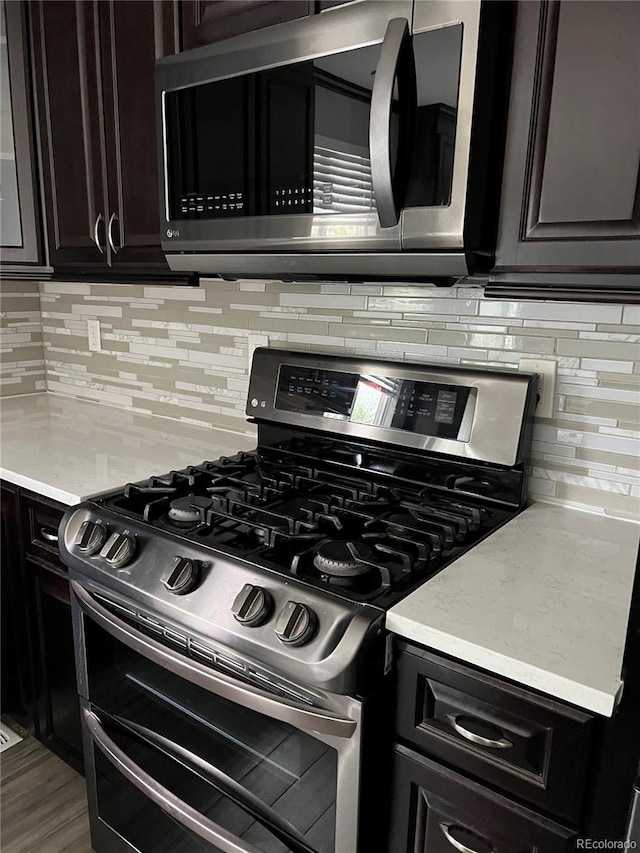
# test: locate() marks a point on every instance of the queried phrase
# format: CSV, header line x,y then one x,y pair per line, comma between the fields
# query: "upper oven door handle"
x,y
227,786
187,816
305,719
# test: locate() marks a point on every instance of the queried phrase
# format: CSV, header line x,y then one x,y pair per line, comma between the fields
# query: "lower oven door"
x,y
180,766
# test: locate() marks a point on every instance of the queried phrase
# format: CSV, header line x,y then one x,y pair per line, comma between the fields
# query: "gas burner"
x,y
267,523
189,509
401,520
343,559
223,497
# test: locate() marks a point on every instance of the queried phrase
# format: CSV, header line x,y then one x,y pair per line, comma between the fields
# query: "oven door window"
x,y
158,720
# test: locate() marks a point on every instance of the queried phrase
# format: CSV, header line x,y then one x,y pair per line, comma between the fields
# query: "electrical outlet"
x,y
93,333
546,369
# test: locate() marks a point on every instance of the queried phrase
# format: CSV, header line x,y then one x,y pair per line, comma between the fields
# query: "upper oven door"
x,y
266,138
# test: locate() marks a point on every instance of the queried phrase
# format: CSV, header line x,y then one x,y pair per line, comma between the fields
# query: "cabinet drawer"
x,y
436,810
41,518
533,747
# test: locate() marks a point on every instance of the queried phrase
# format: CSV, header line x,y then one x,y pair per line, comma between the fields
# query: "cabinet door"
x,y
527,745
58,706
20,238
17,684
437,811
571,190
206,21
66,45
133,36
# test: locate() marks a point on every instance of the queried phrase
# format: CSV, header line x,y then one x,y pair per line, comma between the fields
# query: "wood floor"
x,y
43,802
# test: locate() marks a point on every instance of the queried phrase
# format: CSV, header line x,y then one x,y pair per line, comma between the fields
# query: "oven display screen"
x,y
426,408
328,393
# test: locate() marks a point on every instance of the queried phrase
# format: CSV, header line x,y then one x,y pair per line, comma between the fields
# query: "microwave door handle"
x,y
305,719
380,122
182,812
224,784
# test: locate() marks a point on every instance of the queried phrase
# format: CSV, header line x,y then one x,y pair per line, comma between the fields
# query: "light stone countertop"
x,y
68,449
543,601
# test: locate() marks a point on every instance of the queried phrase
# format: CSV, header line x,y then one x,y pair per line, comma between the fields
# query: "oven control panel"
x,y
444,409
372,399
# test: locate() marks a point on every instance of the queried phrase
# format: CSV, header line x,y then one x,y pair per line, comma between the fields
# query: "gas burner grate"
x,y
366,568
284,514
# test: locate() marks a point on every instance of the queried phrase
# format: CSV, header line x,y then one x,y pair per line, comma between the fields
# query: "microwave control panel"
x,y
196,206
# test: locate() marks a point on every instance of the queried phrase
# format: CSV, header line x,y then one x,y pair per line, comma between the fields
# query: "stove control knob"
x,y
91,537
252,605
119,549
296,624
182,576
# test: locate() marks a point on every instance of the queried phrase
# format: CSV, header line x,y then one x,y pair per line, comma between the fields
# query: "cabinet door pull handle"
x,y
48,535
446,831
112,219
493,743
96,238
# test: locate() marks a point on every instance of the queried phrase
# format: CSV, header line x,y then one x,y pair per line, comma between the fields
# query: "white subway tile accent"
x,y
178,294
575,312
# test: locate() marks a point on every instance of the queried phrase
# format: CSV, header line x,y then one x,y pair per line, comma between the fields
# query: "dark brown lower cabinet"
x,y
57,704
17,693
438,811
39,688
483,765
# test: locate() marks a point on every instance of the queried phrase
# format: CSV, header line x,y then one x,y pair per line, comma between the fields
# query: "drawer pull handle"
x,y
48,535
447,828
493,743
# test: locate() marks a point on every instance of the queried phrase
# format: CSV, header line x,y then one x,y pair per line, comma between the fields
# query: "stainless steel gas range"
x,y
233,666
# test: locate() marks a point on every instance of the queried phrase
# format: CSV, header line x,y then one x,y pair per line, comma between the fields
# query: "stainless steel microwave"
x,y
362,143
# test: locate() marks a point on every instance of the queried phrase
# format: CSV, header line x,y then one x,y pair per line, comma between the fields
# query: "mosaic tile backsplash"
x,y
185,352
21,354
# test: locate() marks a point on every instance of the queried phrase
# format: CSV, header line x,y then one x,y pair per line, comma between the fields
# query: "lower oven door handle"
x,y
227,786
305,719
161,796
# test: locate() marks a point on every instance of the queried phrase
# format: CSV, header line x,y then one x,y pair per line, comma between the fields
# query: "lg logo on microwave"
x,y
173,232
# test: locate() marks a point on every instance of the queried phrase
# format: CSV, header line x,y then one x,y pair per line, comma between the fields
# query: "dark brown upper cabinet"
x,y
206,21
570,213
94,65
21,248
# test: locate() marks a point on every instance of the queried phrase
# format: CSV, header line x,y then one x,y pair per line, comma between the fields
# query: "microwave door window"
x,y
288,140
210,150
287,96
437,60
314,135
342,182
